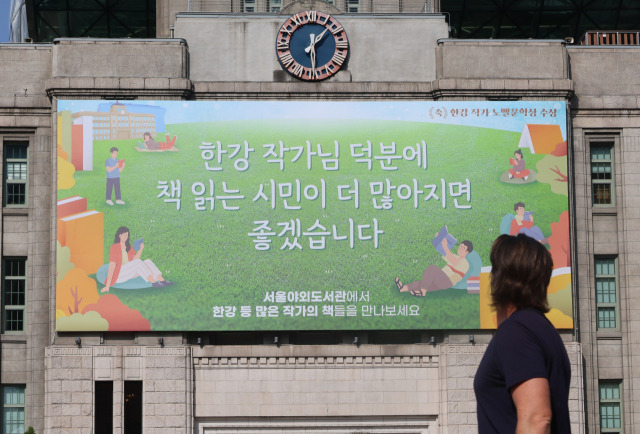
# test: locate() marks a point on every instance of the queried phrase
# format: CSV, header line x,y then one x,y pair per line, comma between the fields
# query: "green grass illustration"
x,y
213,262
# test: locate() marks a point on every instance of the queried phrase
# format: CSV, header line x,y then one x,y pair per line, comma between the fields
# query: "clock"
x,y
312,46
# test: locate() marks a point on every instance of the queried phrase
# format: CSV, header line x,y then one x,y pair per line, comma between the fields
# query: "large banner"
x,y
285,215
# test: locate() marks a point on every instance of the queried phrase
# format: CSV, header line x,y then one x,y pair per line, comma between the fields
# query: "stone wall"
x,y
228,48
164,371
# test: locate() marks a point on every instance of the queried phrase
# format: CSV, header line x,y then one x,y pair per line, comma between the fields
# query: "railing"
x,y
594,37
347,6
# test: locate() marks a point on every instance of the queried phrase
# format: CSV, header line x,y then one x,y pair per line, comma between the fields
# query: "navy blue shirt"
x,y
525,346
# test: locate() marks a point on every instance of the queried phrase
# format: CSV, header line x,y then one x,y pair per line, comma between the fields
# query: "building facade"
x,y
405,382
117,123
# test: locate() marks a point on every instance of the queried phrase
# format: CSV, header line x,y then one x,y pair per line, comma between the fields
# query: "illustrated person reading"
x,y
522,382
114,167
435,278
152,145
523,224
518,170
125,263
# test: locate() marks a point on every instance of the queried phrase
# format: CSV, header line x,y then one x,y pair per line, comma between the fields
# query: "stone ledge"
x,y
625,105
316,362
442,88
333,425
322,90
115,351
112,41
115,87
368,350
503,42
507,88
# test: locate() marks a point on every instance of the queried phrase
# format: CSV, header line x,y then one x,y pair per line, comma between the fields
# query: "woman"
x,y
522,383
125,263
152,145
518,170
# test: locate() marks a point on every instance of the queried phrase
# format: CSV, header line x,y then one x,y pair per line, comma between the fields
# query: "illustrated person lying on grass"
x,y
151,145
435,278
125,263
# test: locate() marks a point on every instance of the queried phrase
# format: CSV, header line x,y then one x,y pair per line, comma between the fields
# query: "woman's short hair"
x,y
520,273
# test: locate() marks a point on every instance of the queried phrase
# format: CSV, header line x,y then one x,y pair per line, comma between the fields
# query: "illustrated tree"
x,y
65,174
559,241
552,170
90,321
64,264
75,291
119,316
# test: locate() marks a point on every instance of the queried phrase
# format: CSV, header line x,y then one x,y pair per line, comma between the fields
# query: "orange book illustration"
x,y
83,234
68,206
77,136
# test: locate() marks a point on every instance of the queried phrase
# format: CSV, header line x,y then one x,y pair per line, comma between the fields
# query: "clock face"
x,y
312,46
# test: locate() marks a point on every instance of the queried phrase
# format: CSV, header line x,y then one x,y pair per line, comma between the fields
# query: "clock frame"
x,y
294,43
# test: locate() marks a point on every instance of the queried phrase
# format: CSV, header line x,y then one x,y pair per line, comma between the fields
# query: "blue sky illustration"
x,y
417,111
5,6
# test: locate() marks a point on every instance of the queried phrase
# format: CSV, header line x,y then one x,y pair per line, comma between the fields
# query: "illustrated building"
x,y
301,381
118,123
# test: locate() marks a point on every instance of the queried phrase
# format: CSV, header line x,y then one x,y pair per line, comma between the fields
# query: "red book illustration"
x,y
71,205
83,234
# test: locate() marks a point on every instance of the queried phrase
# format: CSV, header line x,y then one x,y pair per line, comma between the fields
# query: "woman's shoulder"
x,y
533,323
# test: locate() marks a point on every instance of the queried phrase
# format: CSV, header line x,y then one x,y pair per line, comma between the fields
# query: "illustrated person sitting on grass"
x,y
125,263
523,224
152,145
435,278
518,170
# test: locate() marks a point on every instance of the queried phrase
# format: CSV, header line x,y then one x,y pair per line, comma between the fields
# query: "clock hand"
x,y
311,44
313,60
320,36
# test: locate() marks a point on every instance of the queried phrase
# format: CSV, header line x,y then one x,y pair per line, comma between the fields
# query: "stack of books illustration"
x,y
82,231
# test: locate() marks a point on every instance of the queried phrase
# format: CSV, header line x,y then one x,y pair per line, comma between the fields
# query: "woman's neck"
x,y
504,313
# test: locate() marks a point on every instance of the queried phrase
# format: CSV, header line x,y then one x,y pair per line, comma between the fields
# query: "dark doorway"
x,y
133,407
104,407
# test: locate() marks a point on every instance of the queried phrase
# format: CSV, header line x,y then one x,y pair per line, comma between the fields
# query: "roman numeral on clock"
x,y
298,69
286,59
338,58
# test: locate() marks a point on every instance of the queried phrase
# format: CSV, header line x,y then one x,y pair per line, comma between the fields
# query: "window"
x,y
13,409
606,293
133,407
602,173
15,173
248,6
13,293
103,421
275,5
353,5
610,407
